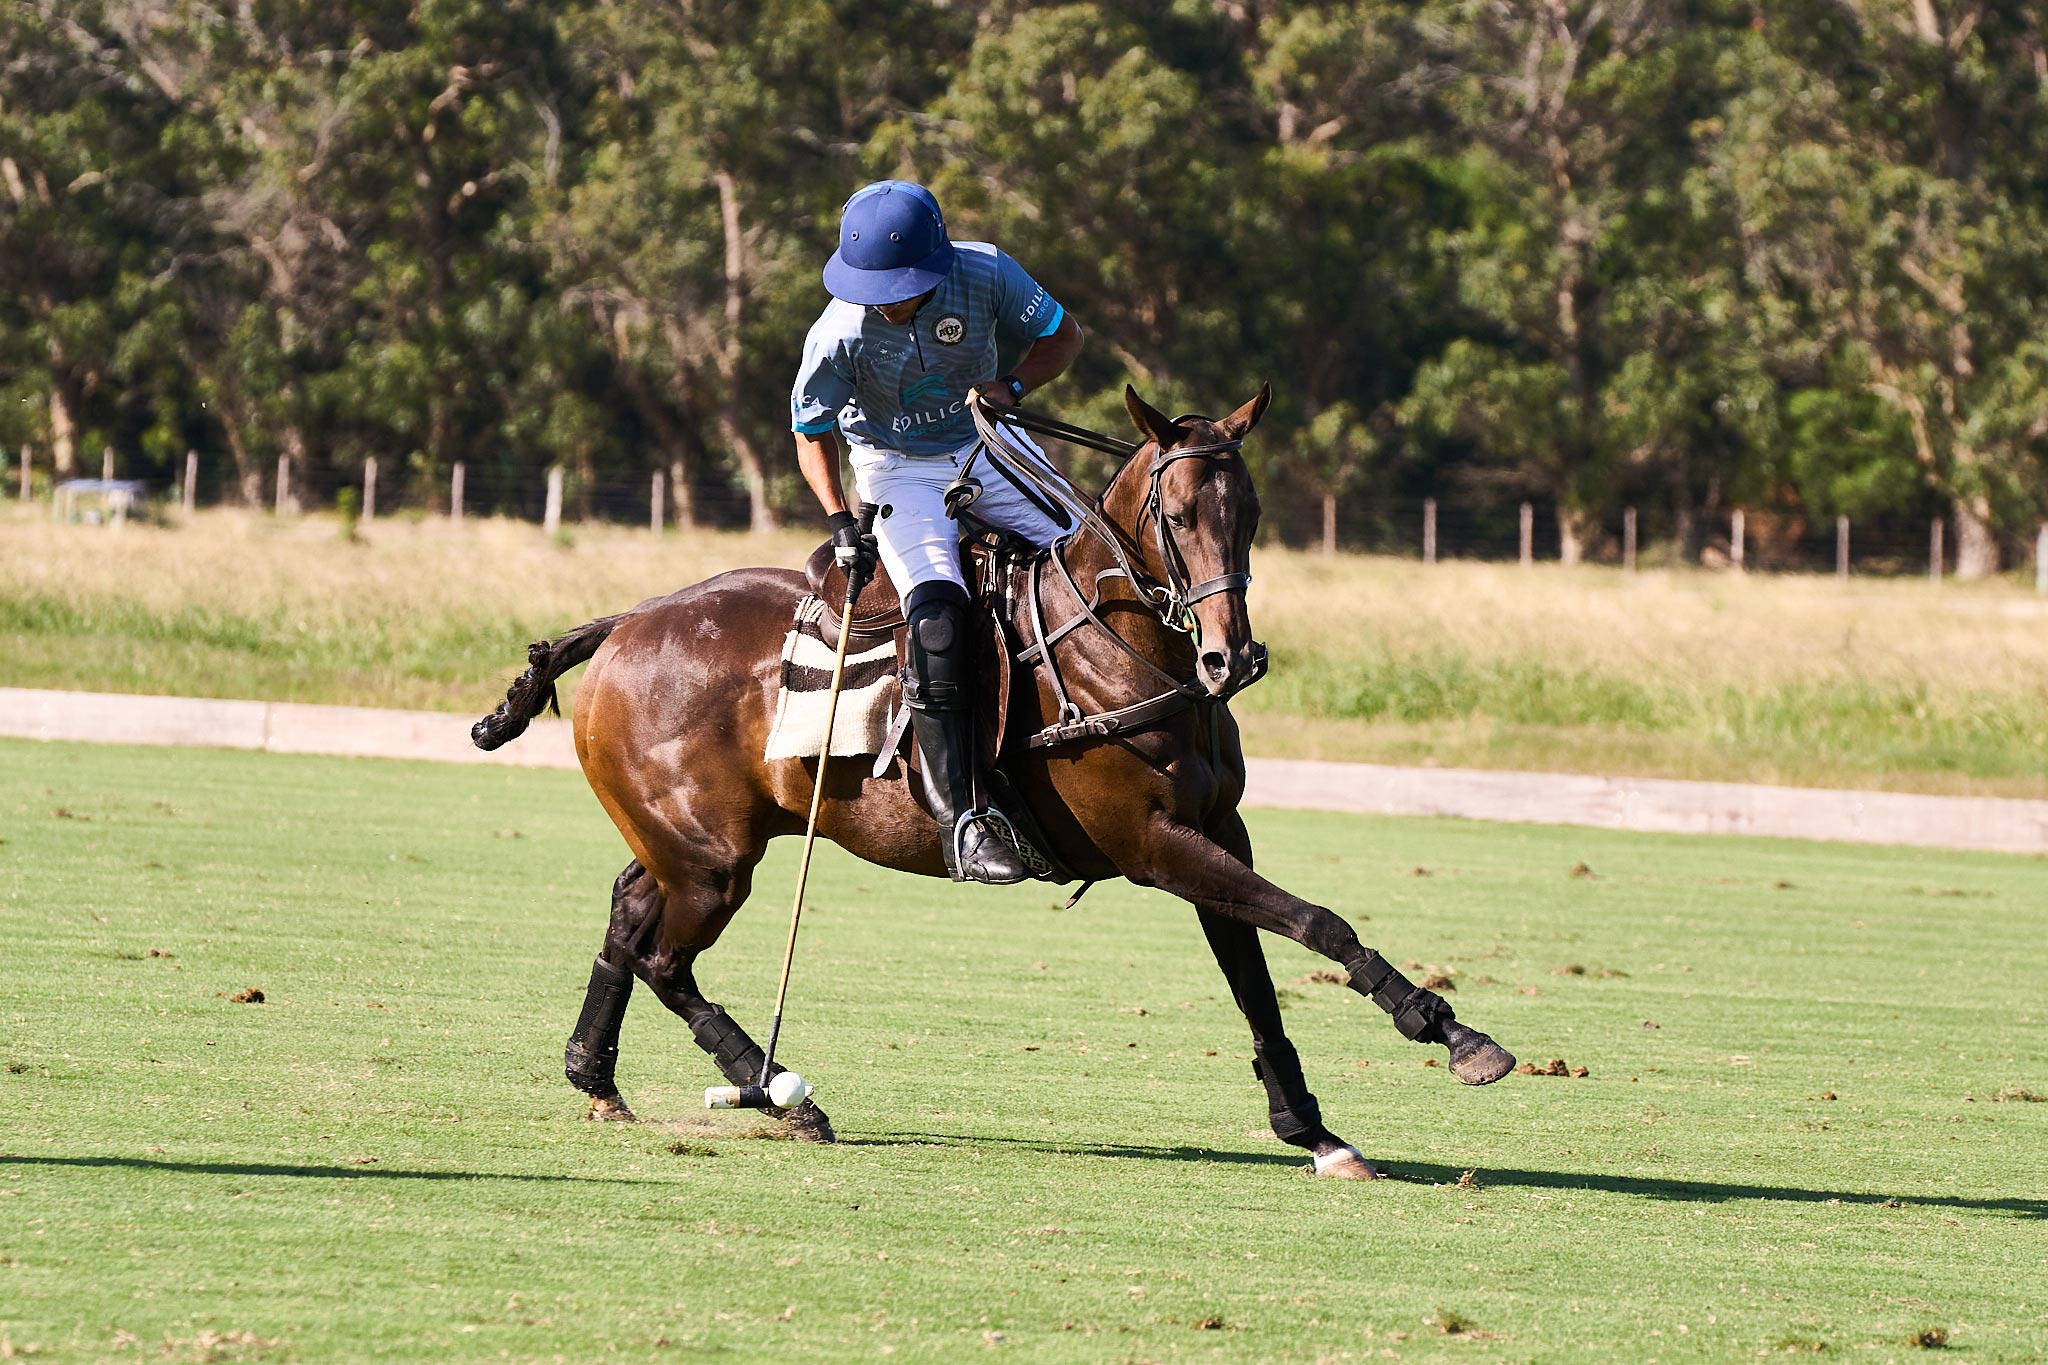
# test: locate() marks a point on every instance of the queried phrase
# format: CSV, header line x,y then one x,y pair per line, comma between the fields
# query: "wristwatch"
x,y
1014,385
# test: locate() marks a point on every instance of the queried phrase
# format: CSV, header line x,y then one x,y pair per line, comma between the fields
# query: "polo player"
x,y
916,325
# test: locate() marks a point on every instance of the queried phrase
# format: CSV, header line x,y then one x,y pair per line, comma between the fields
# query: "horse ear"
x,y
1150,421
1247,417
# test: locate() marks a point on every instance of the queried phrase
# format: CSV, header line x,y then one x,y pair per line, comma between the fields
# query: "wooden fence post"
x,y
1628,539
284,483
27,471
654,501
1735,539
551,521
2040,558
369,488
1429,530
107,464
1842,548
118,499
1528,534
191,481
455,478
1934,550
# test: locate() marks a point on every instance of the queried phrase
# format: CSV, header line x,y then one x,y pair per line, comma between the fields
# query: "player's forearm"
x,y
817,457
1050,355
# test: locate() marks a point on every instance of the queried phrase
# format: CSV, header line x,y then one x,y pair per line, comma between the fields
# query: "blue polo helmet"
x,y
892,245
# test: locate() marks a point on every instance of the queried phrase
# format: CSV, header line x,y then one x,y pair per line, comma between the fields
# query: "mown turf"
x,y
1053,1148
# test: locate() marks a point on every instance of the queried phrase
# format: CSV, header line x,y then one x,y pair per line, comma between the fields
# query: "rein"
x,y
1172,601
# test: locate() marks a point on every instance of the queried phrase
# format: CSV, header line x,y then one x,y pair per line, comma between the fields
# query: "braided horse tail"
x,y
534,690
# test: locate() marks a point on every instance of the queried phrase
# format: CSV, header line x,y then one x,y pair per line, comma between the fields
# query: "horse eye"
x,y
1177,521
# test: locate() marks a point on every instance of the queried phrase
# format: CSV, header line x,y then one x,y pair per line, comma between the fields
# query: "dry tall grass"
x,y
1798,679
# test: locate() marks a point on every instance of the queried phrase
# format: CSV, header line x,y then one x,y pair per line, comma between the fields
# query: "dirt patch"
x,y
248,995
1323,977
1467,1182
1554,1067
1928,1339
2022,1096
158,952
1582,873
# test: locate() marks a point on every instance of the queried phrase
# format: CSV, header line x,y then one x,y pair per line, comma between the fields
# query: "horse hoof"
x,y
1481,1061
609,1109
1346,1163
807,1123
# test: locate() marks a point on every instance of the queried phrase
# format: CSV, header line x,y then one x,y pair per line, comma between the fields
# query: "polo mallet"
x,y
761,1095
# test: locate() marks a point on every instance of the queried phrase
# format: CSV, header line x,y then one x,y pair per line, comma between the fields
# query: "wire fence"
x,y
1463,527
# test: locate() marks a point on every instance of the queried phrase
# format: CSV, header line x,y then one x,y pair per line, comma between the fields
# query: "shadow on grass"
x,y
1109,1149
1697,1191
1424,1173
269,1169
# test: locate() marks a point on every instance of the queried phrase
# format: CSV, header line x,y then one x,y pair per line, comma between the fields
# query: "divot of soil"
x,y
248,995
1582,872
1554,1067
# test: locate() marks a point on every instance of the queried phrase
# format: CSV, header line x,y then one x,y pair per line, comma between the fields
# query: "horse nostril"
x,y
1215,663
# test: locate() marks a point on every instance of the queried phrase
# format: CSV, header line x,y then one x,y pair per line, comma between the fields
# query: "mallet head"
x,y
785,1090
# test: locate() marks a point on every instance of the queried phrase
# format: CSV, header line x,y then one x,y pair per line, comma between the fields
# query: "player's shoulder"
x,y
840,322
981,260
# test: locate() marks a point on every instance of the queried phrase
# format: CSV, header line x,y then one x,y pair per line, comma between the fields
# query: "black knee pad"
x,y
1292,1109
738,1056
1419,1014
593,1050
941,656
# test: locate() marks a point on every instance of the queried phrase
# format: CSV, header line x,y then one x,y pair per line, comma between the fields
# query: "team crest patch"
x,y
950,329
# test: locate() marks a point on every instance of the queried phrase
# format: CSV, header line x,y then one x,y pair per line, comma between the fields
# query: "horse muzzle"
x,y
1224,673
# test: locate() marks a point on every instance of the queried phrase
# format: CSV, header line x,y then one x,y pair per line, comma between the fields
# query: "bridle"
x,y
1174,598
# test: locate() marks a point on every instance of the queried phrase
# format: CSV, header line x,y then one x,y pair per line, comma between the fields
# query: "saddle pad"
x,y
865,695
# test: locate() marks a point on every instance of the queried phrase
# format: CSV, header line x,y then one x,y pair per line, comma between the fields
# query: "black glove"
x,y
853,548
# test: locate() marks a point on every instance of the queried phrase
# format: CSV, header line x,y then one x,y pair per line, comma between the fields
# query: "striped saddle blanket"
x,y
866,695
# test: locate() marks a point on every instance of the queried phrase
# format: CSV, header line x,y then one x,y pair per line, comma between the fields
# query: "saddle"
x,y
879,615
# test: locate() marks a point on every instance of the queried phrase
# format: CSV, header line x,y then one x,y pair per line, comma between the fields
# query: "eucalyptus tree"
x,y
88,207
1584,278
1885,163
720,139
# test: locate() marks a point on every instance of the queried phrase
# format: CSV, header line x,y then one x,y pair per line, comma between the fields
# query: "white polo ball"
x,y
787,1090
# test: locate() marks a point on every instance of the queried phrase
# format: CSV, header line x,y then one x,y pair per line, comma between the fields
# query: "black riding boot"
x,y
937,688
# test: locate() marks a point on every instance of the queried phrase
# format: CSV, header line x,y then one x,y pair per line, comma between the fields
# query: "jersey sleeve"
x,y
1024,311
824,384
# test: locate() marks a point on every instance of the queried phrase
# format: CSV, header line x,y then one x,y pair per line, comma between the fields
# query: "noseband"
x,y
1178,598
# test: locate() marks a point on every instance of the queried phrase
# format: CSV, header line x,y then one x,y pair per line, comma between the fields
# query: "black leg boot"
x,y
937,688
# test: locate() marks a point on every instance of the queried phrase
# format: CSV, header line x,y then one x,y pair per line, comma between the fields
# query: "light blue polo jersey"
x,y
905,388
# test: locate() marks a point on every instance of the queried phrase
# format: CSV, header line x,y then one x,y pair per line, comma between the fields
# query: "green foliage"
x,y
1679,254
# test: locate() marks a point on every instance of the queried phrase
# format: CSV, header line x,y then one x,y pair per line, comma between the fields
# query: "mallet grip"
x,y
736,1097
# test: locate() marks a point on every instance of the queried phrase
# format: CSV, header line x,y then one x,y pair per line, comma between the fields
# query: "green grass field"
x,y
1792,1138
1889,684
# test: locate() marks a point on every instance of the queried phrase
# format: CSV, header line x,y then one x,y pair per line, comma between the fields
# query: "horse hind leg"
x,y
663,951
591,1059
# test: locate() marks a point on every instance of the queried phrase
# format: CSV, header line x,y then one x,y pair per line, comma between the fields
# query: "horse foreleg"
x,y
1290,1106
1191,865
591,1059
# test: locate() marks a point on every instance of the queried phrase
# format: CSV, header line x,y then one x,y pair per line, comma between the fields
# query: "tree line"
x,y
1684,254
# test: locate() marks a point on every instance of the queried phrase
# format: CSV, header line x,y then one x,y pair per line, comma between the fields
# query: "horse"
x,y
671,717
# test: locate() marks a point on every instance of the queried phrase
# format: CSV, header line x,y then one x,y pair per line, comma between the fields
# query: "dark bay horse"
x,y
672,716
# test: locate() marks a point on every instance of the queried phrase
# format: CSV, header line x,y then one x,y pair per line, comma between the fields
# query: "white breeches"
x,y
919,542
